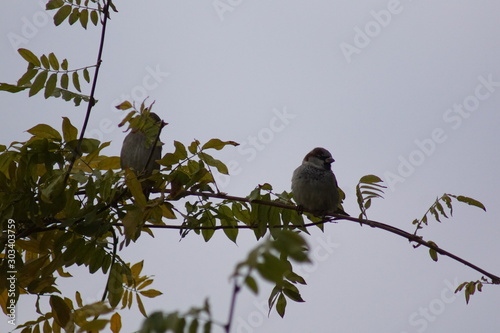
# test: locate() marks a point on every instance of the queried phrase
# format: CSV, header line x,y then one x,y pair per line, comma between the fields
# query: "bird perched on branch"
x,y
142,148
314,185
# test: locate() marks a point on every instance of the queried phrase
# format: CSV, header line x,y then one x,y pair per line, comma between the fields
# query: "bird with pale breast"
x,y
314,185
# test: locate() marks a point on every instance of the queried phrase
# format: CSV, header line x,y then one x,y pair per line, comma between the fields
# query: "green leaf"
x,y
86,75
73,17
76,81
64,64
70,132
255,194
26,78
60,310
432,252
45,131
38,83
115,285
207,328
281,305
293,293
62,14
45,61
29,57
193,327
272,269
470,201
218,144
180,150
221,167
231,233
193,147
295,278
50,85
208,223
371,179
54,63
84,18
11,88
252,284
94,17
53,4
64,81
292,244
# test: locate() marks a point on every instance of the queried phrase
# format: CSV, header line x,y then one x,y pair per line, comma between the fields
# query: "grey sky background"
x,y
407,90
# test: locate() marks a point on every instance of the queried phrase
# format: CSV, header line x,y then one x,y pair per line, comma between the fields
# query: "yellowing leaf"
x,y
45,131
167,212
124,106
78,298
116,322
218,144
137,268
131,222
151,293
140,305
69,131
135,188
109,163
95,325
145,284
471,201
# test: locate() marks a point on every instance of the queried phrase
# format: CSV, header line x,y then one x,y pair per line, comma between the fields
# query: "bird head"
x,y
319,158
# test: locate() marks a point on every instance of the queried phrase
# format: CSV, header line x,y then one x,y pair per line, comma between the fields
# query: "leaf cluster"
x,y
196,319
369,187
443,207
55,226
52,76
75,11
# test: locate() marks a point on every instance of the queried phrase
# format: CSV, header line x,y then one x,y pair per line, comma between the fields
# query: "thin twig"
x,y
91,103
236,290
333,218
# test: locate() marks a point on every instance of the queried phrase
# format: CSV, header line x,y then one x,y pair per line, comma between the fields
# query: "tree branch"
x,y
91,103
236,290
334,218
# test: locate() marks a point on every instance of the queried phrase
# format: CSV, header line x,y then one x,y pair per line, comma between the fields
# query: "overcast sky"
x,y
407,90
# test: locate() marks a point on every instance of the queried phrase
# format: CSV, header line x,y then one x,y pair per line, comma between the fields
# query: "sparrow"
x,y
314,185
140,153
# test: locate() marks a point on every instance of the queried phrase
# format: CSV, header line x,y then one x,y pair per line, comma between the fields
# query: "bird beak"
x,y
329,160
